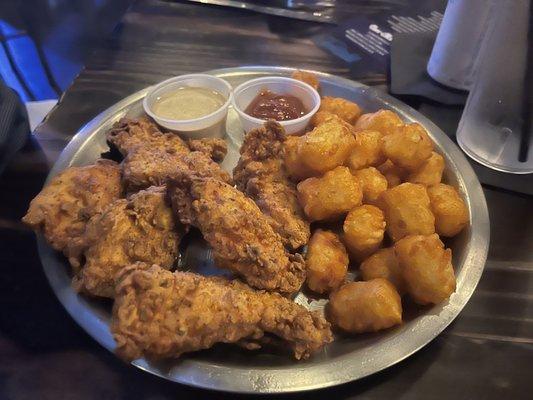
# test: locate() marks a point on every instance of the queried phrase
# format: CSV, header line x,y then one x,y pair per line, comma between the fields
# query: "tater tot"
x,y
297,171
324,148
364,228
408,147
373,183
392,173
383,121
384,264
367,151
326,261
451,213
307,77
430,172
407,211
346,110
330,196
359,307
322,116
426,268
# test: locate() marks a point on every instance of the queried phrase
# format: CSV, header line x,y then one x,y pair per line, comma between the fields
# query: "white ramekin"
x,y
247,91
211,125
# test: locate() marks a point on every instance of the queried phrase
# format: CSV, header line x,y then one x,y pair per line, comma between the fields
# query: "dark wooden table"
x,y
486,353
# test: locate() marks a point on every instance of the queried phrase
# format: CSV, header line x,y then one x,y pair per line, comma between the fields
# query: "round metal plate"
x,y
347,358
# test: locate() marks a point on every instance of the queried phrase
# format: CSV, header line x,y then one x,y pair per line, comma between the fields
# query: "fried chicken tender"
x,y
373,183
63,207
407,211
324,148
261,174
363,228
326,261
367,151
214,148
140,228
430,172
344,109
160,314
307,77
426,268
408,147
152,156
392,173
330,196
128,134
145,167
371,306
451,213
239,233
384,264
383,121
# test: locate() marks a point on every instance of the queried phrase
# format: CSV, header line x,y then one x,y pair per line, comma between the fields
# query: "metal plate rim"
x,y
339,371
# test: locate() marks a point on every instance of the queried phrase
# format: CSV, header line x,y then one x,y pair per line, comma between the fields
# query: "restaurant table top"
x,y
486,353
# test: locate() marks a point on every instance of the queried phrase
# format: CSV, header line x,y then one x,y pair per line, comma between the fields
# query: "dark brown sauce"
x,y
280,107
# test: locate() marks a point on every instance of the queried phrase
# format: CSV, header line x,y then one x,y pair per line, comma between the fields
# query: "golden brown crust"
x,y
383,121
127,134
214,148
324,148
159,314
384,264
326,261
261,174
152,156
239,233
63,207
344,109
408,147
140,228
407,211
307,77
450,210
364,229
331,196
370,306
426,268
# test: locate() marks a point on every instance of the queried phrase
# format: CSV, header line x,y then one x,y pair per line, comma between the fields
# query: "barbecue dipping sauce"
x,y
279,107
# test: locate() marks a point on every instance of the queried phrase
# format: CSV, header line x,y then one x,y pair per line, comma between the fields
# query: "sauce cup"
x,y
245,93
210,125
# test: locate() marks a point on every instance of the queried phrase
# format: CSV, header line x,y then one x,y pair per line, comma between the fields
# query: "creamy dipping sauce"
x,y
188,103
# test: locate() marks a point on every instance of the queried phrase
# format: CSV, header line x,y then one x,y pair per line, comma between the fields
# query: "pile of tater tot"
x,y
372,186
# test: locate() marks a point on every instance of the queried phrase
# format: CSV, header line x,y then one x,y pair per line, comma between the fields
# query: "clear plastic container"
x,y
211,125
491,128
246,92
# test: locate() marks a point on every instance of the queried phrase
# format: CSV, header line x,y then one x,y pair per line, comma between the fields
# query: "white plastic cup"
x,y
245,93
211,125
462,31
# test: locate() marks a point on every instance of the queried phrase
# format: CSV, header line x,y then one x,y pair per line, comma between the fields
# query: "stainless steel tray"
x,y
347,358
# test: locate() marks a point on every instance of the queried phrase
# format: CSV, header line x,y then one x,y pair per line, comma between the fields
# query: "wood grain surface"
x,y
486,353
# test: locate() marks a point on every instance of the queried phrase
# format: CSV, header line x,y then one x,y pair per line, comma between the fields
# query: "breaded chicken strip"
x,y
63,207
140,228
239,233
261,175
145,166
214,148
127,134
160,314
152,156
